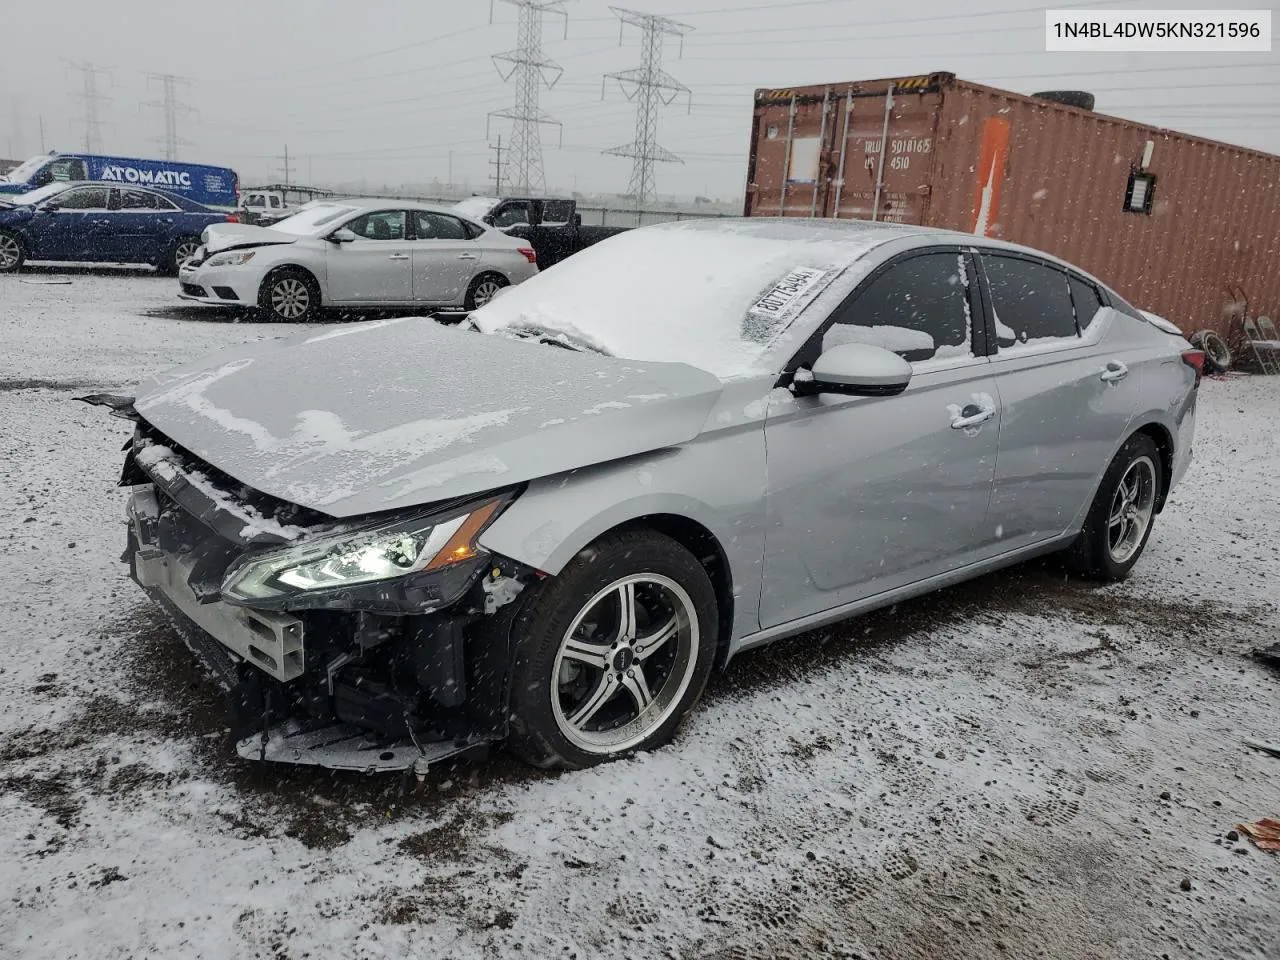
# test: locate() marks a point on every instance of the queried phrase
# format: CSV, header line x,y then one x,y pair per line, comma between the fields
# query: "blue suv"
x,y
95,223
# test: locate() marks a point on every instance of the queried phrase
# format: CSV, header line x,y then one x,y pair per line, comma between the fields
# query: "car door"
x,y
867,494
76,225
377,266
1066,393
143,223
446,257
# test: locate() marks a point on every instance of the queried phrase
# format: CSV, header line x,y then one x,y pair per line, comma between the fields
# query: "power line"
x,y
90,99
649,86
531,69
172,108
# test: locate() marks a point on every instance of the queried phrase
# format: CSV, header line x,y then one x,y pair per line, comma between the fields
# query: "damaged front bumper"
x,y
399,676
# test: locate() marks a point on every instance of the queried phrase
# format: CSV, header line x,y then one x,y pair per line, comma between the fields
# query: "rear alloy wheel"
x,y
483,289
184,250
1123,513
11,253
290,296
612,653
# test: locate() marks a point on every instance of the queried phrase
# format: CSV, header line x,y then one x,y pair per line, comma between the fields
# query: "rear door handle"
x,y
468,256
972,415
398,256
1115,372
101,223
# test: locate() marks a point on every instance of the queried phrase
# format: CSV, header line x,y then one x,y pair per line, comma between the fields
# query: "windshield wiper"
x,y
556,338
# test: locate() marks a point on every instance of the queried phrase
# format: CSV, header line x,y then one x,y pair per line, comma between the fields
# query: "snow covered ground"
x,y
1020,766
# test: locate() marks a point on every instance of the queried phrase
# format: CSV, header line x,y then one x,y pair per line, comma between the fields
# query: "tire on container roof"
x,y
1071,98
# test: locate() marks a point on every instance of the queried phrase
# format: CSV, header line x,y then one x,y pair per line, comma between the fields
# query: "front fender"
x,y
717,481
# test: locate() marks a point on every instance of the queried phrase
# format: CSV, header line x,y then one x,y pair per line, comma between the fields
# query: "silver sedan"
x,y
356,253
549,526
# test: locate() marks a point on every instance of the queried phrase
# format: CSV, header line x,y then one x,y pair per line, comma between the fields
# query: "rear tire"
x,y
581,669
290,295
484,288
1122,515
12,253
183,249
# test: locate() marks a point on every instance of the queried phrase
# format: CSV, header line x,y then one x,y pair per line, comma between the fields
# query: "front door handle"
x,y
398,256
101,223
972,415
1115,372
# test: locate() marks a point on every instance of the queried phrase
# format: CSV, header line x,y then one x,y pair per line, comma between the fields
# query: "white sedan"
x,y
356,253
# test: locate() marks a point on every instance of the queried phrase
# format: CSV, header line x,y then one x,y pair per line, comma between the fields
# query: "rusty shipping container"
x,y
1182,226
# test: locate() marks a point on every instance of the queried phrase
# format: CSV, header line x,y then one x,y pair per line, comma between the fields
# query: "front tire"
x,y
290,295
612,654
1122,514
12,253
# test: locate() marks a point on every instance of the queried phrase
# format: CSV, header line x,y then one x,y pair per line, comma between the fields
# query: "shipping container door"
x,y
882,157
790,156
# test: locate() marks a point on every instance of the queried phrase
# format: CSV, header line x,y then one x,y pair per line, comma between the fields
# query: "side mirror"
x,y
855,369
577,219
342,235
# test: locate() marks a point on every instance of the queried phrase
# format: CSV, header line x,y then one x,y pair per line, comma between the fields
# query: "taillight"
x,y
1195,360
529,254
232,218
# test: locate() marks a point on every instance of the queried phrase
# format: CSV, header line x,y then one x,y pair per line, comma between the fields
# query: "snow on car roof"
x,y
722,295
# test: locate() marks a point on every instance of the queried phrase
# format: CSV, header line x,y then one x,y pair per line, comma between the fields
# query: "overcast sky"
x,y
388,90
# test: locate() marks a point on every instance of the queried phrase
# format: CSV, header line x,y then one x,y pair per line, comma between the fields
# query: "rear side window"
x,y
1032,302
141,200
918,309
438,226
1087,302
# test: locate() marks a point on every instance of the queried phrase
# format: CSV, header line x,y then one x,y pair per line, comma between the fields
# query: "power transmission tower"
x,y
90,99
286,168
173,108
650,87
531,69
497,167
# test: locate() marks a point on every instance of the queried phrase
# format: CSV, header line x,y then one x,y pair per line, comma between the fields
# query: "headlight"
x,y
353,558
237,259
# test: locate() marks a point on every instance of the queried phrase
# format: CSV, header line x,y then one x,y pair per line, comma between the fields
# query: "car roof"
x,y
386,203
860,236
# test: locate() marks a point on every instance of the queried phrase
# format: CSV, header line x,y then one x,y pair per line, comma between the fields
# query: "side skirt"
x,y
890,597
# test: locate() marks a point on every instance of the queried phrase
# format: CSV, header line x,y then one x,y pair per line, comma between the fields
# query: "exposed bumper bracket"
x,y
340,746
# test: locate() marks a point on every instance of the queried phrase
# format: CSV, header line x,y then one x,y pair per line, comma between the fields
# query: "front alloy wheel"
x,y
611,653
624,663
11,255
290,295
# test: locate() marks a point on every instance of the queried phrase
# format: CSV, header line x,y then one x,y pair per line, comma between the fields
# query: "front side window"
x,y
511,214
66,169
439,226
274,202
85,198
380,225
1032,302
918,309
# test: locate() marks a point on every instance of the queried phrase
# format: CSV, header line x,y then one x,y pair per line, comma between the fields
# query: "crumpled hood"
x,y
227,236
390,414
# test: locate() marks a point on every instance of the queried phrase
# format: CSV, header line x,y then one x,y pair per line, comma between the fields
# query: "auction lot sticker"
x,y
790,295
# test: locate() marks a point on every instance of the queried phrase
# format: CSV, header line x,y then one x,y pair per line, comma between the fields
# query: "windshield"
x,y
26,170
32,197
313,221
710,296
476,207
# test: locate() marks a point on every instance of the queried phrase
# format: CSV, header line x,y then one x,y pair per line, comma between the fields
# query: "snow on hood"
x,y
394,413
225,236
